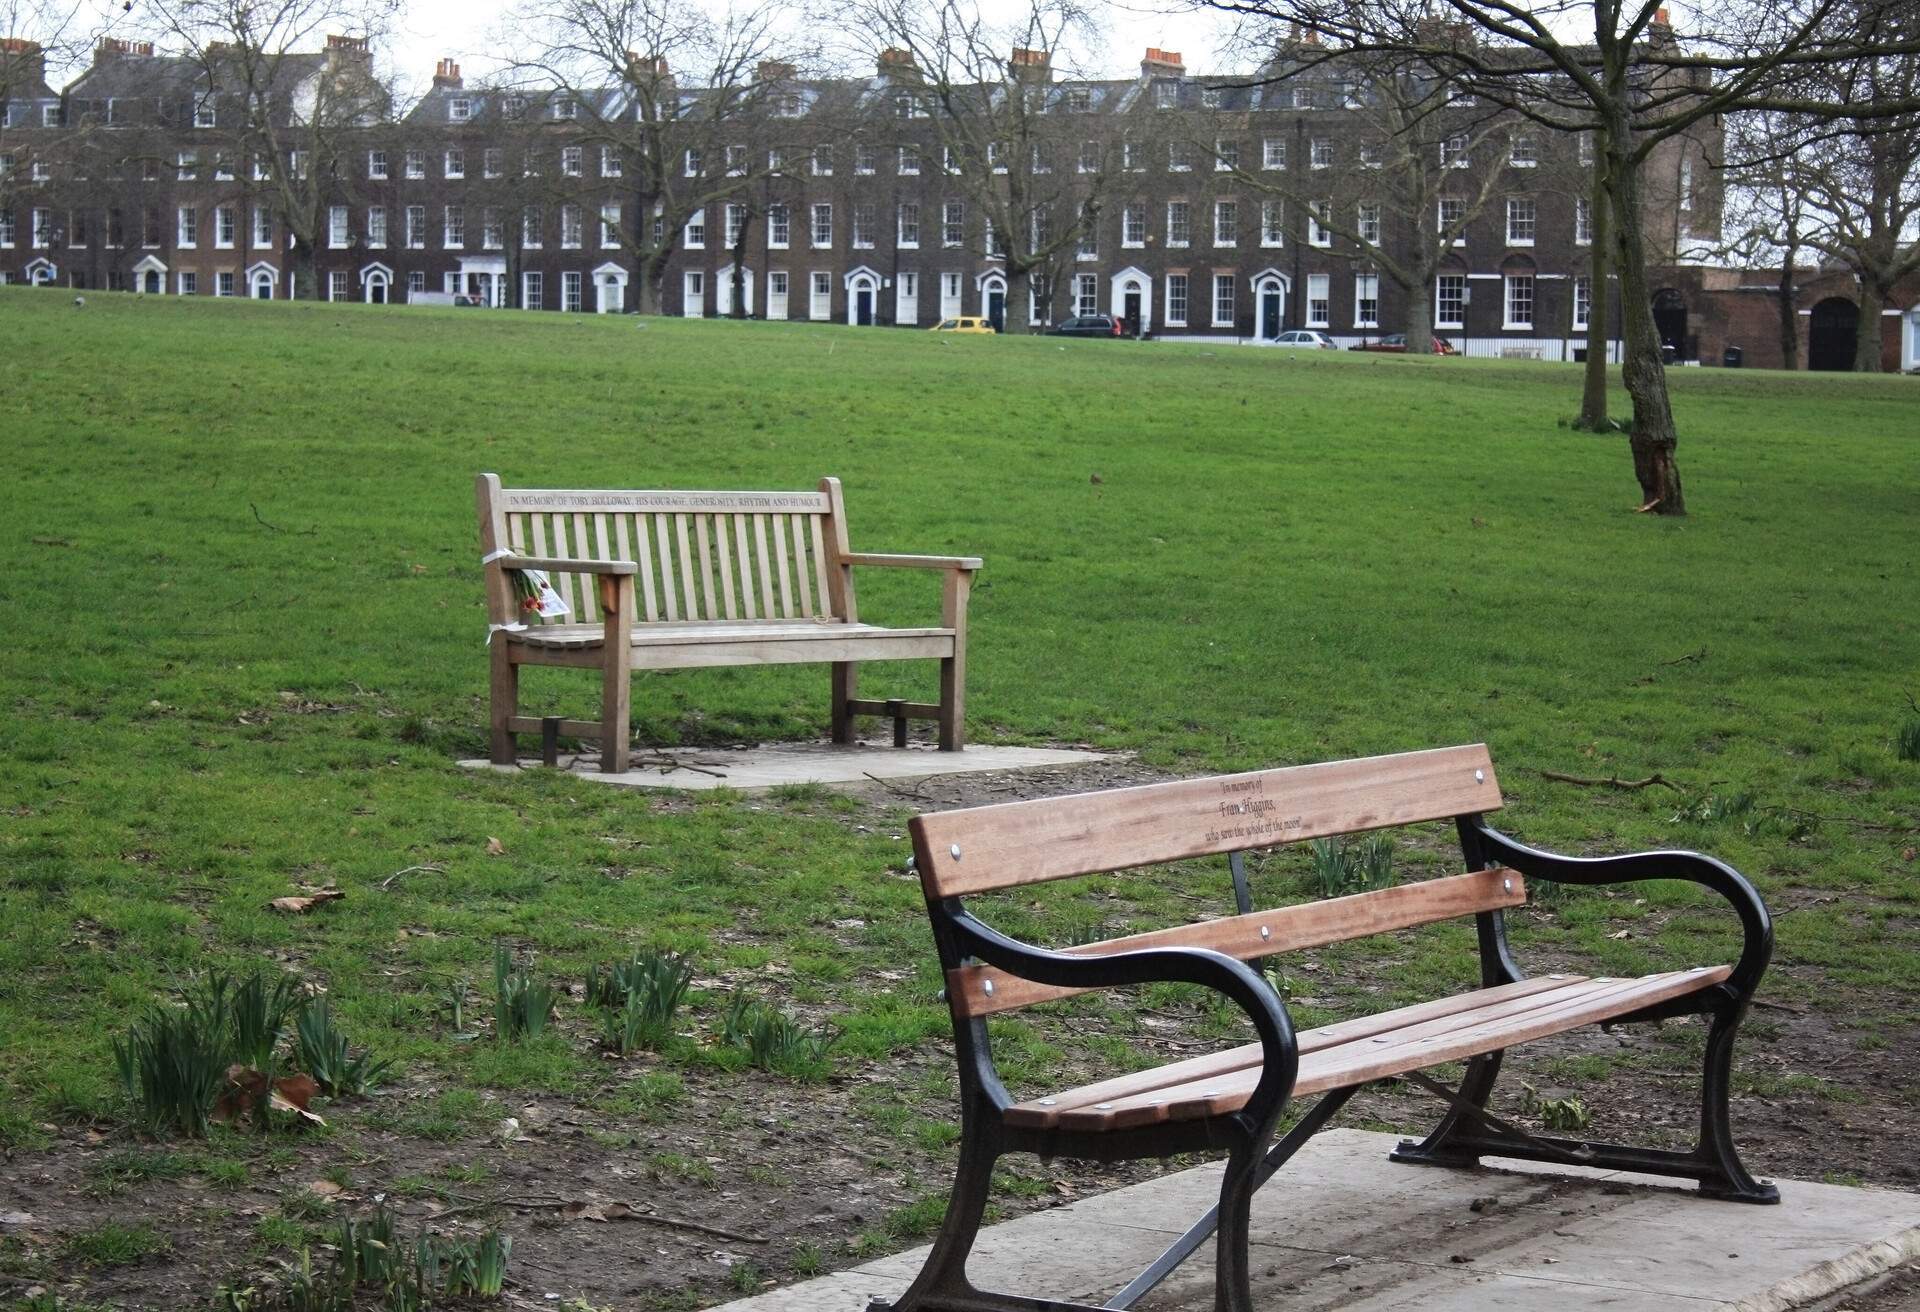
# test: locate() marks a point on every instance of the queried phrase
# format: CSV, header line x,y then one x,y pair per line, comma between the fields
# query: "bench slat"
x,y
745,556
650,501
822,590
801,574
1383,1046
722,531
689,599
1308,925
1019,843
767,610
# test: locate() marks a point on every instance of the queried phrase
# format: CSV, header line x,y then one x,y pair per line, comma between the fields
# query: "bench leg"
x,y
944,1277
953,702
503,702
616,704
846,682
1439,1148
1727,1177
1232,1274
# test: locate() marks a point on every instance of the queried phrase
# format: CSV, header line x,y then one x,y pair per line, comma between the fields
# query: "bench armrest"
x,y
568,565
1498,849
912,562
1209,969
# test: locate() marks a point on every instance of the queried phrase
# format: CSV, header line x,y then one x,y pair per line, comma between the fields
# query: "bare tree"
x,y
36,37
1615,69
1766,211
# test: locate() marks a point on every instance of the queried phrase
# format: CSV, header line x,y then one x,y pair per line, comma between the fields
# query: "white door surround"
x,y
1270,290
149,275
263,280
862,282
723,289
376,276
609,289
1132,281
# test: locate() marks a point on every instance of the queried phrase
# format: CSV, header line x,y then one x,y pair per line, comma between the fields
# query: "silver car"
x,y
1308,338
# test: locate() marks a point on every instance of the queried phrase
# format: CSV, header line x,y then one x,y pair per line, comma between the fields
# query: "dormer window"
x,y
787,105
903,106
1210,98
203,113
1080,100
1166,95
565,108
459,109
514,106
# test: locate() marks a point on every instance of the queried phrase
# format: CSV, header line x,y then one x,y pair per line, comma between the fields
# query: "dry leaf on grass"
x,y
323,1188
246,1086
299,906
495,847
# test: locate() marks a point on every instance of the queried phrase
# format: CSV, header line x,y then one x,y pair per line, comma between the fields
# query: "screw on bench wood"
x,y
955,849
1479,776
1103,1106
987,988
1506,886
1047,1102
1265,932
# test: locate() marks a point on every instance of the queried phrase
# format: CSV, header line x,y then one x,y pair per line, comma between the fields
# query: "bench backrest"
x,y
703,556
982,849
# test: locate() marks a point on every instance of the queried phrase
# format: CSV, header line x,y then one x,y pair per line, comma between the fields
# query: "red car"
x,y
1396,343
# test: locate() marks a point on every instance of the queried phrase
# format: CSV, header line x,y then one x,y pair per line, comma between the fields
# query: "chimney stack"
x,y
774,70
26,55
1162,63
648,66
1030,65
446,73
112,47
897,63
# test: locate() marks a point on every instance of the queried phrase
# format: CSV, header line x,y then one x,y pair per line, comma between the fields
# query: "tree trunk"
x,y
306,286
1419,318
1867,337
1789,312
1653,437
738,309
1018,315
653,273
1593,389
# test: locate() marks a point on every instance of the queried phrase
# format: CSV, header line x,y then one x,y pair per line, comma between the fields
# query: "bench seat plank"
x,y
1365,1049
708,632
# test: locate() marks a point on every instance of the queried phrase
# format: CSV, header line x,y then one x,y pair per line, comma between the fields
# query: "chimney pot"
x,y
446,73
1162,63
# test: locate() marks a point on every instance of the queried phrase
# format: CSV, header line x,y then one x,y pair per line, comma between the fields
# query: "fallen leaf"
x,y
323,1188
1622,934
246,1087
299,906
495,847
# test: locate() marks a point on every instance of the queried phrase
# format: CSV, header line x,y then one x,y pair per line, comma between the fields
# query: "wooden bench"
x,y
1232,1099
660,580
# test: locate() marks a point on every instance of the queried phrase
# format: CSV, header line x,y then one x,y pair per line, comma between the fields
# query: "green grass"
x,y
247,631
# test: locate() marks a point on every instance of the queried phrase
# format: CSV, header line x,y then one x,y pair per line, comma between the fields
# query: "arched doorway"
x,y
1272,297
860,298
376,284
1132,300
1832,330
993,302
1670,321
150,282
263,286
610,290
609,295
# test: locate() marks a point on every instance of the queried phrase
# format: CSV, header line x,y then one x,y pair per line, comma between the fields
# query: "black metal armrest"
x,y
1202,966
1695,867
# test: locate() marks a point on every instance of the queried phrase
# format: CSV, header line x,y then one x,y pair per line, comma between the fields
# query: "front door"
x,y
609,293
263,288
1133,312
1270,312
863,307
377,291
997,310
153,281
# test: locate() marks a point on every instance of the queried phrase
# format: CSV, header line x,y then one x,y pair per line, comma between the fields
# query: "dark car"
x,y
1396,343
1087,325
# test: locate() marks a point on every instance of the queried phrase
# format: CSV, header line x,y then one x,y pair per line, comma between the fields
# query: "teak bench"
x,y
659,580
1231,1100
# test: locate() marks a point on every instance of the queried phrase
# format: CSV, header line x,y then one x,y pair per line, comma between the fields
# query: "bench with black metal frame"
x,y
1231,1101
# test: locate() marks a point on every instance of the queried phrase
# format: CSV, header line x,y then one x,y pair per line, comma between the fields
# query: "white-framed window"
x,y
949,159
1366,221
377,165
1089,161
820,232
779,227
776,159
1450,301
996,157
820,299
1223,300
416,281
953,227
736,223
1582,300
949,295
1454,152
531,228
1166,94
1320,153
1086,293
337,285
338,237
1040,158
990,241
1318,234
1226,223
690,163
222,166
454,163
1453,217
533,290
570,293
736,157
565,108
1319,300
570,161
907,226
453,227
1686,185
262,227
1273,153
226,225
1366,300
377,227
1584,147
9,230
1179,157
1210,97
609,227
416,227
493,161
864,159
493,233
864,223
1226,155
570,228
1131,159
1133,226
693,294
694,235
1273,220
909,162
1522,153
1176,312
529,163
1372,155
188,282
1179,223
1079,100
43,229
204,113
416,164
820,164
777,294
185,238
1582,222
1519,301
1520,219
223,284
459,109
611,165
1089,247
788,105
187,165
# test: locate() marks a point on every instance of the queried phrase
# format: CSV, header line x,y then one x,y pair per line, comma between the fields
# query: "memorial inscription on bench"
x,y
1244,811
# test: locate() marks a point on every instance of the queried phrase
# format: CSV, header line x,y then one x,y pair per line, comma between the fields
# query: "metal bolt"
x,y
1103,1106
1266,932
955,849
1211,1093
1047,1102
1383,1038
1479,776
1506,885
987,988
1556,977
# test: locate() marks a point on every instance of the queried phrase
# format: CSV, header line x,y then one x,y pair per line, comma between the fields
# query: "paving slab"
x,y
772,764
1343,1228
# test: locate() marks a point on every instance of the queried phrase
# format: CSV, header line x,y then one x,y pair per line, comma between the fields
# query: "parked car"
x,y
1087,325
1308,338
1397,343
963,324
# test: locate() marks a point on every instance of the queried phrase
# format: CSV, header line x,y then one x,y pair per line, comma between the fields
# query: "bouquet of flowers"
x,y
536,594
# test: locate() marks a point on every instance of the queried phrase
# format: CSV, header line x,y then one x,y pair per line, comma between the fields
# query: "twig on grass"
x,y
1690,656
901,791
429,869
1611,782
1779,1006
263,523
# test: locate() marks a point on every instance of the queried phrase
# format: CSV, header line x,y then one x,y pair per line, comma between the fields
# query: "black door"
x,y
1133,313
1831,332
1269,314
863,309
997,311
1670,320
379,293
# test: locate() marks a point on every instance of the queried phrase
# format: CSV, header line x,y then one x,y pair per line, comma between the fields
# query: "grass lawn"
x,y
246,647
